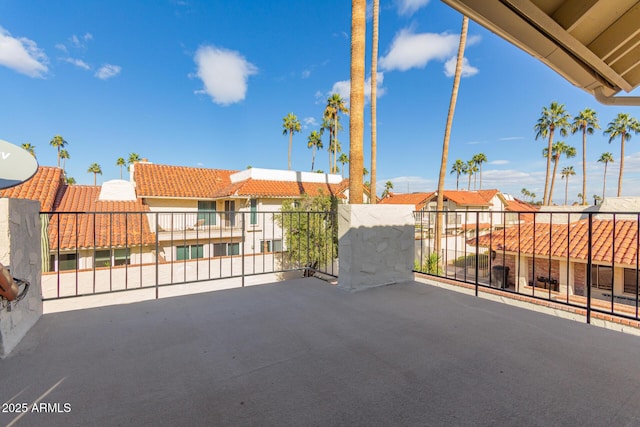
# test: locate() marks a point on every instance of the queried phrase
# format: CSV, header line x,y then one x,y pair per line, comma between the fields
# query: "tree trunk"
x,y
374,101
604,181
621,164
584,166
290,144
447,134
566,190
546,196
553,180
356,118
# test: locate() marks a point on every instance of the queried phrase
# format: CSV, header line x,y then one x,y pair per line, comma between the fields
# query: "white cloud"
x,y
306,74
409,50
409,7
511,138
77,62
22,55
224,74
78,42
467,69
343,88
62,47
499,162
309,121
107,71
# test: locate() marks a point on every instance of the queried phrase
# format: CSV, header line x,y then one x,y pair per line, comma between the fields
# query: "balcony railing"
x,y
88,253
587,260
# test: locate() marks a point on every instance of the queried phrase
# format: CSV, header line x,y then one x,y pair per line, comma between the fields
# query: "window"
x,y
229,215
207,212
121,257
270,245
107,258
102,259
189,252
602,277
254,212
67,262
630,277
224,249
233,248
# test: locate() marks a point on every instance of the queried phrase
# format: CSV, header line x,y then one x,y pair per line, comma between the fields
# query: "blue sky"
x,y
207,83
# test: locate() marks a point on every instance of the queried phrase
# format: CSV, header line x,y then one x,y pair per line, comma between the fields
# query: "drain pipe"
x,y
615,100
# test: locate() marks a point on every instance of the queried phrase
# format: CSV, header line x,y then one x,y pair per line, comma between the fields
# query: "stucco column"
x,y
375,246
20,250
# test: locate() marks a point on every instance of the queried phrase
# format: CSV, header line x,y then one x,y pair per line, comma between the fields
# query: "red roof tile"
x,y
466,198
419,200
571,240
179,181
120,224
42,187
277,189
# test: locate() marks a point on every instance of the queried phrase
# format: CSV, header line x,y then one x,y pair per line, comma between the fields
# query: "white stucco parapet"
x,y
284,175
20,250
375,246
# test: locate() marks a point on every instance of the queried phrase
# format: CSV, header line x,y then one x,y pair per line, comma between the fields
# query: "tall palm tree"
x,y
470,169
622,126
459,167
356,119
291,125
64,155
335,106
374,93
30,148
95,169
447,133
343,159
479,159
58,142
314,142
566,172
121,162
388,186
586,122
558,149
605,158
334,149
553,119
133,157
70,180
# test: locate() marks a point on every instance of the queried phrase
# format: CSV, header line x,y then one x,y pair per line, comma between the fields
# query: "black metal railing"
x,y
90,253
586,260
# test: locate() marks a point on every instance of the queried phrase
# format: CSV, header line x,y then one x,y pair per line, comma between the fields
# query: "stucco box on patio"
x,y
376,245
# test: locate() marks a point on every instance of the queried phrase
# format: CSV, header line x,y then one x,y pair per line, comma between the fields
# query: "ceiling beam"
x,y
572,12
625,28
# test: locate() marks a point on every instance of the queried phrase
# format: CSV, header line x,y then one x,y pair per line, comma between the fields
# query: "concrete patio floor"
x,y
303,352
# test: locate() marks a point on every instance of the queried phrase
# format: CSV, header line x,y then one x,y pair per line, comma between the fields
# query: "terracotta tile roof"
x,y
179,181
42,187
276,189
487,195
553,239
465,198
419,200
517,205
112,230
481,226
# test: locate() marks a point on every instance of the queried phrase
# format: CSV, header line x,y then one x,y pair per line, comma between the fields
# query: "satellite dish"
x,y
17,165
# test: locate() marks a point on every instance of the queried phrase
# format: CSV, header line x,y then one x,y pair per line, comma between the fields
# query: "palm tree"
x,y
567,171
314,142
356,119
335,106
121,162
459,167
470,170
365,172
343,159
447,132
291,125
374,93
553,118
586,122
622,126
64,155
605,158
558,149
95,169
388,186
479,159
30,148
70,180
133,158
58,142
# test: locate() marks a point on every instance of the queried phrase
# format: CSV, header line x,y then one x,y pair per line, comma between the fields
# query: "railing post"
x,y
478,250
589,252
157,255
242,241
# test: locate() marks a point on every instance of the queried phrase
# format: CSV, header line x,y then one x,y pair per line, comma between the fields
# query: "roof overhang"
x,y
594,44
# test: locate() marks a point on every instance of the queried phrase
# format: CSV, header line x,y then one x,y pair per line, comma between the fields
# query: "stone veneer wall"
x,y
20,249
376,245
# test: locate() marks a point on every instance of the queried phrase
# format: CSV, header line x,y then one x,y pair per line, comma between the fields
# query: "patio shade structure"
x,y
594,44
